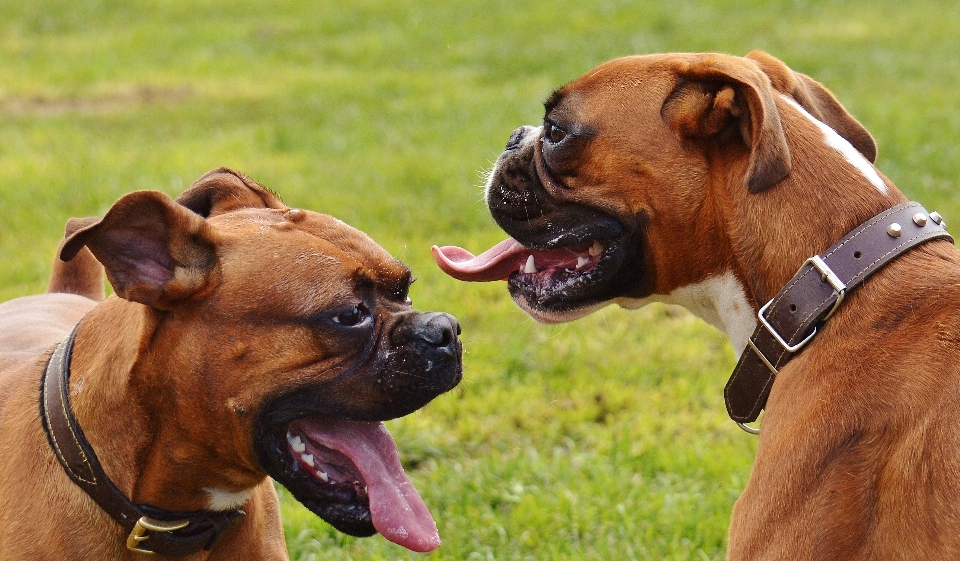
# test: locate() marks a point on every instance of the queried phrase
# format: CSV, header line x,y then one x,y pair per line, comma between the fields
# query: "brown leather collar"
x,y
151,530
794,316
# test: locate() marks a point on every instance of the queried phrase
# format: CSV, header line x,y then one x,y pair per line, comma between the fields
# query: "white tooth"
x,y
596,249
323,475
581,261
307,459
290,437
530,267
298,445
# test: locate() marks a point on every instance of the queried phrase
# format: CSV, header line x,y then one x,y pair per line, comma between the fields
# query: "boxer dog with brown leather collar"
x,y
734,186
244,339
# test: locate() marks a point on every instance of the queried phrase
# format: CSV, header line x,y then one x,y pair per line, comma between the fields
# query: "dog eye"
x,y
354,316
553,133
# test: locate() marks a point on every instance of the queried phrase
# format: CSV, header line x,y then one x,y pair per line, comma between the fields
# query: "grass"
x,y
602,439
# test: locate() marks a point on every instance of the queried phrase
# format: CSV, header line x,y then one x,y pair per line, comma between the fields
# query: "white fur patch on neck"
x,y
221,500
840,144
719,300
722,302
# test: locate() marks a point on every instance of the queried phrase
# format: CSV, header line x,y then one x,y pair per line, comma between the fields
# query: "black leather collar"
x,y
151,530
794,316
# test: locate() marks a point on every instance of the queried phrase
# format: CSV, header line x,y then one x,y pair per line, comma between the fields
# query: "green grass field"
x,y
603,439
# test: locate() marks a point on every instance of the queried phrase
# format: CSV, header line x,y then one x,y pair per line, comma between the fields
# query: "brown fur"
x,y
859,456
227,299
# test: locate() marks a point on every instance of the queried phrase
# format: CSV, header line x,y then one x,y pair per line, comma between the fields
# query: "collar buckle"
x,y
826,275
139,534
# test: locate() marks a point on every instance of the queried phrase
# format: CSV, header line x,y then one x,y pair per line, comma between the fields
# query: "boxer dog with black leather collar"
x,y
245,339
707,180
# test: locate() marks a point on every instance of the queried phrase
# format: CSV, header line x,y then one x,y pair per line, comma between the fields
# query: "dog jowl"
x,y
650,174
245,339
710,180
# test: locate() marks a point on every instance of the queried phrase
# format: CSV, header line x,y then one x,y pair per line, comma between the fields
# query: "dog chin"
x,y
554,316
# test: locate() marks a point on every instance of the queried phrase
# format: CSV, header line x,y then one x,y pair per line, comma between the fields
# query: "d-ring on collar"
x,y
793,317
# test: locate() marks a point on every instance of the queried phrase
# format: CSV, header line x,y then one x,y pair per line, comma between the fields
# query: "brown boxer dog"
x,y
706,180
245,339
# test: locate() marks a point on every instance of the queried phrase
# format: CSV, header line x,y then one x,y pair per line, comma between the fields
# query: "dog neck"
x,y
153,460
169,533
830,190
765,237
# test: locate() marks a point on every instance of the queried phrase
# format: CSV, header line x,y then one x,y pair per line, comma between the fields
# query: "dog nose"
x,y
437,329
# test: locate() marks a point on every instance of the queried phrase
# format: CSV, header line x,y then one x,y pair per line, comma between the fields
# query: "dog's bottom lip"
x,y
559,288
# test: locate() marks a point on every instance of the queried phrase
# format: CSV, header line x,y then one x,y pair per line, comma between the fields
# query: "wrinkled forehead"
x,y
286,237
617,81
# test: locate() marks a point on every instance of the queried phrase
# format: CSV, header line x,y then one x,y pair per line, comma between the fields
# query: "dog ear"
x,y
154,250
717,96
817,100
82,274
223,190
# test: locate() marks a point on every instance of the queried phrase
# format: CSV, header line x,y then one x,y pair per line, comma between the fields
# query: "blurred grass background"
x,y
603,439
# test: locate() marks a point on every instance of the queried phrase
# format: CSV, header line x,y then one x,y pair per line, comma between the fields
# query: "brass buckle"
x,y
146,524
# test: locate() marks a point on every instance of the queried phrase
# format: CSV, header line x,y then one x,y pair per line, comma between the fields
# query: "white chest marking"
x,y
840,144
221,500
719,300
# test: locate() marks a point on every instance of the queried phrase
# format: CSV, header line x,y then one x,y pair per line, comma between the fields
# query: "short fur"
x,y
712,171
215,313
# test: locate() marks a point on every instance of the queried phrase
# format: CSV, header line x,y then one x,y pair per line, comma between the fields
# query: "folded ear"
x,y
82,274
154,250
817,100
223,190
723,98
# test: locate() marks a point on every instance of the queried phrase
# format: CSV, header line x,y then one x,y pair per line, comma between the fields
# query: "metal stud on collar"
x,y
878,243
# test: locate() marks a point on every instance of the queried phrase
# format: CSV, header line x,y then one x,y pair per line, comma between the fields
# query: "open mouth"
x,y
349,474
548,283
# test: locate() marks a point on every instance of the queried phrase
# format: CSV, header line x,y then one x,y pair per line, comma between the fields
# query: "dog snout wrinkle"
x,y
516,137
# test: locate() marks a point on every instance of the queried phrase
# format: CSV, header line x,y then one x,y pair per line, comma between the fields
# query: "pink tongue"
x,y
494,264
398,512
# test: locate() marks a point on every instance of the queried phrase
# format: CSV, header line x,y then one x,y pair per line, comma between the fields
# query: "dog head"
x,y
286,337
650,172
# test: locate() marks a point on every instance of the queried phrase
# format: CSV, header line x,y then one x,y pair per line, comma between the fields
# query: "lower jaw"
x,y
568,310
349,517
551,317
353,520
